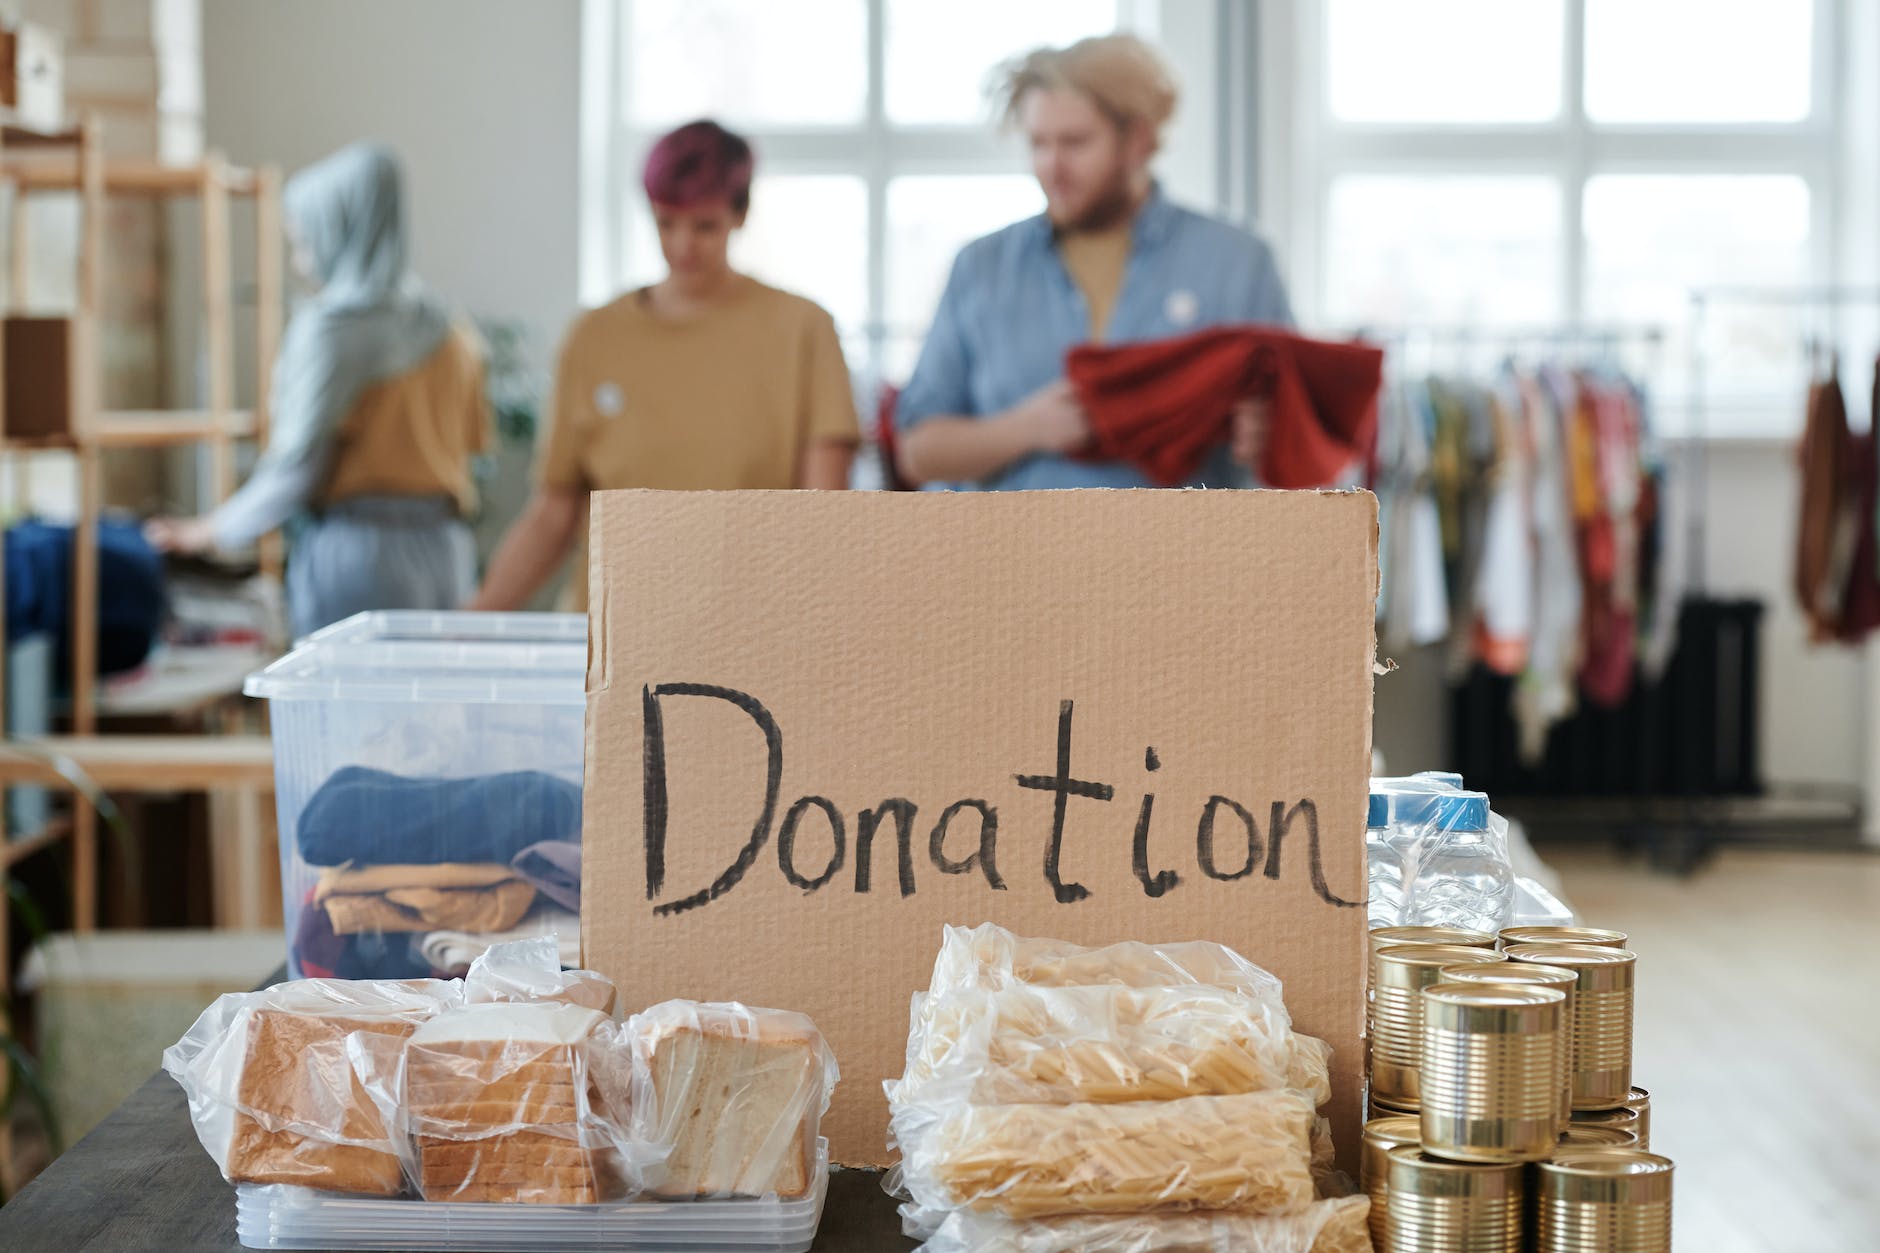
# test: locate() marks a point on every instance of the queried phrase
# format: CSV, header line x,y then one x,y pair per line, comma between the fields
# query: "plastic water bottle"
x,y
1383,866
1455,869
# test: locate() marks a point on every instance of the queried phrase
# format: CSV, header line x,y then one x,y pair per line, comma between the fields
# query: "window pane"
x,y
1735,60
930,217
747,62
1652,238
1482,61
1452,249
940,56
806,233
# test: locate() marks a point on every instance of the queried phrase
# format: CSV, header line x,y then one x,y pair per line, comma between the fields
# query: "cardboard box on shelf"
x,y
822,725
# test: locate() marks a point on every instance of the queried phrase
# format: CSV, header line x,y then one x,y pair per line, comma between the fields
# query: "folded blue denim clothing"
x,y
371,817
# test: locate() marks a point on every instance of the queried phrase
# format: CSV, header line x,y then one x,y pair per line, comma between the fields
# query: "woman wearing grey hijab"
x,y
377,408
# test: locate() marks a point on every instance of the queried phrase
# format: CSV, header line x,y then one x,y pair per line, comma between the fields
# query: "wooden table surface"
x,y
140,1181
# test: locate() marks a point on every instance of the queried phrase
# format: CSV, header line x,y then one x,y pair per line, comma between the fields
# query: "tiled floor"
x,y
1758,1034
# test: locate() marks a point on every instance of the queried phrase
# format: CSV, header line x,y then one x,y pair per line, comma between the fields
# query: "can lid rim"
x,y
1570,954
1609,1163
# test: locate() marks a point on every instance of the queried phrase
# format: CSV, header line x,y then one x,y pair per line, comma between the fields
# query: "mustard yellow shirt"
x,y
414,435
727,400
1096,262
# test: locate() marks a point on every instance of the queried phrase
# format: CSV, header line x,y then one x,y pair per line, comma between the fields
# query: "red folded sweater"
x,y
1164,404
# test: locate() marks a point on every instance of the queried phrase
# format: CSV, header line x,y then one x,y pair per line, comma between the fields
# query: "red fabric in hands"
x,y
1164,404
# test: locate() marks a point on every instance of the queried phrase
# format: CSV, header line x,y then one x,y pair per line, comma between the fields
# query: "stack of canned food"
x,y
1501,1112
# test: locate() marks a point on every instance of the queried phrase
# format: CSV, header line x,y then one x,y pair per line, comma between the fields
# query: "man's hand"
x,y
190,536
1247,443
1052,420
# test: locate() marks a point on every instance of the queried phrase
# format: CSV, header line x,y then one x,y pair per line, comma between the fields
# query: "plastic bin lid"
x,y
1448,778
458,657
1378,814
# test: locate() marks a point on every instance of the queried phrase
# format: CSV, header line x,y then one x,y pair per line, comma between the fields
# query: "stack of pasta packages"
x,y
1136,1097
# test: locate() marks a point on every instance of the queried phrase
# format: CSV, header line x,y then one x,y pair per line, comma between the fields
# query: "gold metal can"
x,y
1602,1017
1604,1200
1389,937
1529,974
1641,1100
1583,1135
1396,1013
1439,1206
1375,1109
1381,1135
1623,1116
1490,1073
1598,937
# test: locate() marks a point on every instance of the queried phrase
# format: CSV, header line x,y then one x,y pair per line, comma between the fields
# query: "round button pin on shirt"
x,y
609,400
1182,308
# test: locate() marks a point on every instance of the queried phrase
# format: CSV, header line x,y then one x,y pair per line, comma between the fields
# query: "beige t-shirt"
x,y
1096,261
414,435
727,400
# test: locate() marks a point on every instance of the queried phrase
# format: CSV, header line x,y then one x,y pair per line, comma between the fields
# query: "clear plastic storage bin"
x,y
280,1217
427,770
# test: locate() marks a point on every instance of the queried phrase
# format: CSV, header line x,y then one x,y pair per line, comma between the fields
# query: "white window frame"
x,y
873,148
1305,149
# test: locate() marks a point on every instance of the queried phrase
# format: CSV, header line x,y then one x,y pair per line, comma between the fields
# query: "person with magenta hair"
x,y
377,408
708,379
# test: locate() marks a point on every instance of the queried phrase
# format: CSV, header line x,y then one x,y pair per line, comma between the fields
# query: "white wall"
x,y
480,97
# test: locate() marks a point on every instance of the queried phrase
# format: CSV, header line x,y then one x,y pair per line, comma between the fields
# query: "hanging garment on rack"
x,y
1665,546
1860,603
1413,602
1547,693
1609,543
1504,586
1164,405
1823,454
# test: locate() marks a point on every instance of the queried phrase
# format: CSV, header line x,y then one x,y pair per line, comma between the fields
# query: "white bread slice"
x,y
739,1094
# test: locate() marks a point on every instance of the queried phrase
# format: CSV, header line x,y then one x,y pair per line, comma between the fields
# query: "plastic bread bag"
x,y
1060,1045
989,956
738,1096
1335,1226
530,970
536,1103
1249,1152
272,1090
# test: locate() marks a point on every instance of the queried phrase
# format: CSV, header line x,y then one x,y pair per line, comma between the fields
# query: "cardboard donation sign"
x,y
823,724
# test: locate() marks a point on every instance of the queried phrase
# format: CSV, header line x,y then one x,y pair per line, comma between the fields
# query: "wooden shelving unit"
x,y
73,162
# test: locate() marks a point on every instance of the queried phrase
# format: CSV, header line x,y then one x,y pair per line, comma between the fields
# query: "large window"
x,y
878,156
1499,164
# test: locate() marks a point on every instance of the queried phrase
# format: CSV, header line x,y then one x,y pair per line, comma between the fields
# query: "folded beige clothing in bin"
x,y
739,1094
1059,1045
1337,1226
272,1091
1249,1152
456,897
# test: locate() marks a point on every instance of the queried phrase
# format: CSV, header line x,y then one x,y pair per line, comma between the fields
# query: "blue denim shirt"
x,y
1011,311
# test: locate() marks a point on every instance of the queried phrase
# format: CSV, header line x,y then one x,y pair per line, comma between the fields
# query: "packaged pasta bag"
x,y
1025,1043
989,956
1250,1152
1334,1226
